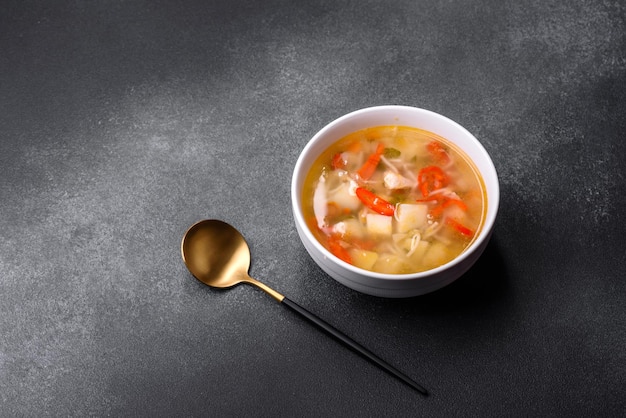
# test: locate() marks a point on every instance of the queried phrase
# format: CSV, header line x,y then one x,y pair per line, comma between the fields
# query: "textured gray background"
x,y
123,122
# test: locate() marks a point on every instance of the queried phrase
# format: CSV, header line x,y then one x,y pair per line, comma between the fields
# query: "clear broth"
x,y
394,199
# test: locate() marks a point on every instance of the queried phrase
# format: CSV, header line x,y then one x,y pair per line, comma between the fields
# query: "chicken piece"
x,y
395,181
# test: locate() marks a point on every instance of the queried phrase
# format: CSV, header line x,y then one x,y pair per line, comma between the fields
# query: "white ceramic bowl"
x,y
395,285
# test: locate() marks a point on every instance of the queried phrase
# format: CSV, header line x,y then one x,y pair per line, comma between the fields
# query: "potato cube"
x,y
419,252
391,264
363,259
410,216
436,255
350,227
379,224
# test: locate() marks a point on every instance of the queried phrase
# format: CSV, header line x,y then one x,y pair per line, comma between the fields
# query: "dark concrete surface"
x,y
124,122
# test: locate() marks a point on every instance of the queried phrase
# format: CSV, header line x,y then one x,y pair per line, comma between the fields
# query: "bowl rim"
x,y
493,196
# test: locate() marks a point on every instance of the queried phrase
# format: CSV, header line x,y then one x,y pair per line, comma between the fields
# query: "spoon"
x,y
217,254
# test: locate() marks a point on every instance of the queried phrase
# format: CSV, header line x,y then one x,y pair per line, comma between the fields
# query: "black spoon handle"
x,y
354,345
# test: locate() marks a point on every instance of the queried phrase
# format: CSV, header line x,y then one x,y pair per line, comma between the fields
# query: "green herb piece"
x,y
391,153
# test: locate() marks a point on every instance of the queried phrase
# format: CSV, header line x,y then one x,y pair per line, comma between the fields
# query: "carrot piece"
x,y
375,203
338,250
338,161
460,228
368,168
430,179
354,147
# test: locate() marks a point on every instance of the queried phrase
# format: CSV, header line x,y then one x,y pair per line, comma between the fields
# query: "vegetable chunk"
x,y
394,199
363,259
410,216
379,224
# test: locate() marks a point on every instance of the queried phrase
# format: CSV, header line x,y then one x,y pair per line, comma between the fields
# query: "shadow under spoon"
x,y
217,255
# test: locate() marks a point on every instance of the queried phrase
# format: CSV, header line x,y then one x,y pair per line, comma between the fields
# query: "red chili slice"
x,y
439,202
438,152
460,228
431,178
374,202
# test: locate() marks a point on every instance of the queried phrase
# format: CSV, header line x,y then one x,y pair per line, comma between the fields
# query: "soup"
x,y
394,199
